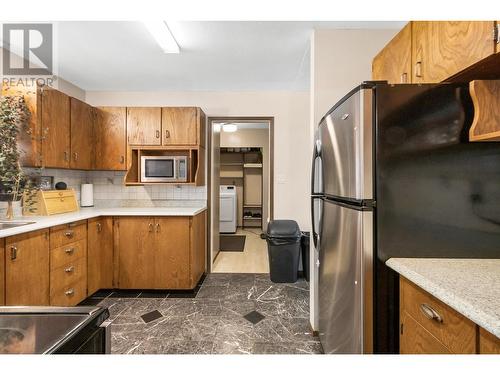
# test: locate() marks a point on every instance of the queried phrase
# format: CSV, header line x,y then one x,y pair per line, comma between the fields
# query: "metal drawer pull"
x,y
418,69
150,225
70,250
69,269
99,227
157,134
13,252
158,227
70,292
69,234
167,134
430,313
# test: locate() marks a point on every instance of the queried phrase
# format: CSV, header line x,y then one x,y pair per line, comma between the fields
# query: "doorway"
x,y
240,193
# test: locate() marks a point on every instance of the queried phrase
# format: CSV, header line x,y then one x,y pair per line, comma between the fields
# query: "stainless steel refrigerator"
x,y
395,176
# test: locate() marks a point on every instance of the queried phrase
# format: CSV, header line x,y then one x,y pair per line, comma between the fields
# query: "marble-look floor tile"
x,y
286,348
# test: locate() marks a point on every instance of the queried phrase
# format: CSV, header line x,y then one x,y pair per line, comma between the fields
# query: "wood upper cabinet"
x,y
144,126
100,254
443,49
183,126
393,63
2,272
27,269
82,144
110,139
160,252
136,252
55,129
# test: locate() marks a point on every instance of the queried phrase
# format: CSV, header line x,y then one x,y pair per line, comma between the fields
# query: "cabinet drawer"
x,y
70,295
68,275
415,339
68,253
452,329
52,194
67,233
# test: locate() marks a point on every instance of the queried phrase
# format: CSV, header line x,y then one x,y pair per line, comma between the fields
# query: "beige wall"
x,y
292,153
340,60
253,138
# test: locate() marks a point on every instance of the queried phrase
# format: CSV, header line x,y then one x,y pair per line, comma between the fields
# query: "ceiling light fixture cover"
x,y
229,128
163,36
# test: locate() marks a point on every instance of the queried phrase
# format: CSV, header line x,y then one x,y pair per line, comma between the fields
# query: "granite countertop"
x,y
42,222
470,286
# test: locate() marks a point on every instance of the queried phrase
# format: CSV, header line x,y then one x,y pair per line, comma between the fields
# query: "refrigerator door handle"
x,y
316,155
316,236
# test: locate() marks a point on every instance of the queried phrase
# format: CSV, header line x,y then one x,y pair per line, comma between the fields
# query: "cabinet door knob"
x,y
157,134
69,269
418,69
122,159
167,134
150,225
70,251
404,78
69,234
65,155
70,292
158,228
430,313
13,252
75,156
99,227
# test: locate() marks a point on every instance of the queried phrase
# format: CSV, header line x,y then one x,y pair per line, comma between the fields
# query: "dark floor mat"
x,y
232,243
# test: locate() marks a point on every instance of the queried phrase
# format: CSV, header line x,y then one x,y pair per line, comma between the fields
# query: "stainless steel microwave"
x,y
164,168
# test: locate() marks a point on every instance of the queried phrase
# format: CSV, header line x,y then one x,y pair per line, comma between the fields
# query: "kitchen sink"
x,y
13,224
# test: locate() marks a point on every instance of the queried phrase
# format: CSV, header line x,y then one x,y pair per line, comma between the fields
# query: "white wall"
x,y
340,60
290,109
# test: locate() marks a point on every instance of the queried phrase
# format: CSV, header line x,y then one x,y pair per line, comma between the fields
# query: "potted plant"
x,y
14,118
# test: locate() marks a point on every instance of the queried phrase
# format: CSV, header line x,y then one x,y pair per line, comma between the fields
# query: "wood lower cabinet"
x,y
2,272
441,49
55,129
27,269
110,136
488,344
160,252
144,126
100,254
415,339
82,133
183,126
393,63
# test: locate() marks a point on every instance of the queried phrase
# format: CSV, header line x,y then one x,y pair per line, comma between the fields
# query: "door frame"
x,y
210,121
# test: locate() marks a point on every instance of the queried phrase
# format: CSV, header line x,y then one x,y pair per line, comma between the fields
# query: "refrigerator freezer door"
x,y
345,279
345,145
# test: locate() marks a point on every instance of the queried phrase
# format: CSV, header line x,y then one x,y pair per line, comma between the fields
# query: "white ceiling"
x,y
123,56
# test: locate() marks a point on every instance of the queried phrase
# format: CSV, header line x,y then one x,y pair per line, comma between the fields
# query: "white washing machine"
x,y
228,208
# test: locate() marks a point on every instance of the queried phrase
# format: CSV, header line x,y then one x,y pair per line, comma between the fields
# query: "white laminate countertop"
x,y
470,286
41,222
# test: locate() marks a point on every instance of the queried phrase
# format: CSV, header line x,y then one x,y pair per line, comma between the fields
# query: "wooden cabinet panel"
x,y
82,144
69,295
65,234
144,126
2,272
443,49
172,252
100,254
415,339
67,254
393,63
64,278
180,126
488,344
198,248
486,98
110,139
454,330
55,128
136,252
27,269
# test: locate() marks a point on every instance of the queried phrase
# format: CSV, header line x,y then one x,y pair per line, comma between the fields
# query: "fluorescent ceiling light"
x,y
163,36
228,128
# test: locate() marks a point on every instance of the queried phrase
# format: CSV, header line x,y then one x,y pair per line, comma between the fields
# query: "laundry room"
x,y
244,195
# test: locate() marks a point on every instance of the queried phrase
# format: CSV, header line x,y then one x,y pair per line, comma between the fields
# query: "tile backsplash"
x,y
109,190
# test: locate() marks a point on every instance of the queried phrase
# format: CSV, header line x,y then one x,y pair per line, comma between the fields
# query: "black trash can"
x,y
305,244
283,245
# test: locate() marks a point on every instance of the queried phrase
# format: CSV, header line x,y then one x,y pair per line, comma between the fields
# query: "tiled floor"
x,y
213,322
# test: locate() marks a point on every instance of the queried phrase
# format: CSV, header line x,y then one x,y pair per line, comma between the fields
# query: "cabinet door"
x,y
198,248
393,63
2,272
111,139
27,269
136,252
443,49
82,144
55,128
100,254
415,339
488,344
180,126
172,253
144,126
